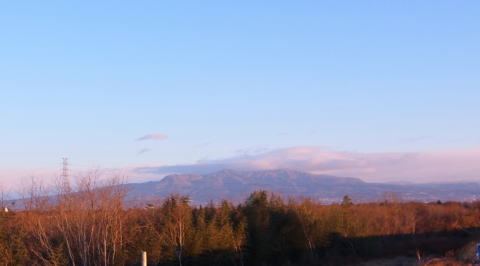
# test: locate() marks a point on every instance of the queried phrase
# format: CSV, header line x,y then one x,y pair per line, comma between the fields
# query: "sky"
x,y
129,85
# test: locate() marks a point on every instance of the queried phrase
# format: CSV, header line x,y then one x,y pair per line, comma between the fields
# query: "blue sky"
x,y
86,80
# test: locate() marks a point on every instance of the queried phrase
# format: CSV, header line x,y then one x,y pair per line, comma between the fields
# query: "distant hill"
x,y
237,185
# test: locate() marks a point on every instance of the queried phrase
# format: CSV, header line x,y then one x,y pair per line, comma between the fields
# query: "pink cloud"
x,y
153,136
433,166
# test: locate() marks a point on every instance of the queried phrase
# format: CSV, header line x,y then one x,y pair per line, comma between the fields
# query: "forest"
x,y
89,224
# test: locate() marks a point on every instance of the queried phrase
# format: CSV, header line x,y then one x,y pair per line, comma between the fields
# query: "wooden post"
x,y
144,258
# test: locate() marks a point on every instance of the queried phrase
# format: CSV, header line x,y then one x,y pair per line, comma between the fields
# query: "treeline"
x,y
86,224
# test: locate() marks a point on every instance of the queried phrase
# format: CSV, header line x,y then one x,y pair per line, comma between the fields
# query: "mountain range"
x,y
236,186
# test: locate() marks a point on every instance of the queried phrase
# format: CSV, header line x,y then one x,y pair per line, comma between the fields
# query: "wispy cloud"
x,y
434,166
153,136
142,151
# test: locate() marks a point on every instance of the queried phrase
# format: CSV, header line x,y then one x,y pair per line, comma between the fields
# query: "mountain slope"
x,y
237,185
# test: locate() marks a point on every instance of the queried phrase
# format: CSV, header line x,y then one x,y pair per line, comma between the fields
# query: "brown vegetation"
x,y
86,224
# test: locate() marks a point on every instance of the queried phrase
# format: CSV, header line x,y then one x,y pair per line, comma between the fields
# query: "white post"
x,y
144,258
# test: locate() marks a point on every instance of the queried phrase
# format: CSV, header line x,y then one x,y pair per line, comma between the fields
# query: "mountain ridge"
x,y
236,185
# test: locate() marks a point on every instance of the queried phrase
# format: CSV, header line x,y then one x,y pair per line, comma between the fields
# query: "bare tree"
x,y
87,218
177,218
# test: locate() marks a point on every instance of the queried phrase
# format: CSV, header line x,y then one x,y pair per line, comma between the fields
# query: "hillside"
x,y
237,185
